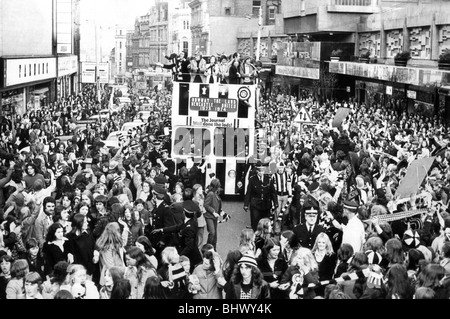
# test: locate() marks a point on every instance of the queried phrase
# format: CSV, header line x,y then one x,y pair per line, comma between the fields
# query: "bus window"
x,y
192,141
230,142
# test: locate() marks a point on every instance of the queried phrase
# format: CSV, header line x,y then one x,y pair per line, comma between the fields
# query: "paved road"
x,y
228,233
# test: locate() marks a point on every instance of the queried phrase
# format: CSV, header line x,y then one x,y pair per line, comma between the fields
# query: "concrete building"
x,y
180,36
216,24
420,86
39,47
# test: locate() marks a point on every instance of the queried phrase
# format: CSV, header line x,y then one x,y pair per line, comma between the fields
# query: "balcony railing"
x,y
353,6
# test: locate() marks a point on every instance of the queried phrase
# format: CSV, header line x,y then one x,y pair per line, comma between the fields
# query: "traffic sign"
x,y
303,116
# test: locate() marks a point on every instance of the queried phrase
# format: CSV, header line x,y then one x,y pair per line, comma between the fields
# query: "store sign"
x,y
389,90
411,94
103,72
20,71
64,30
299,72
348,89
88,72
67,65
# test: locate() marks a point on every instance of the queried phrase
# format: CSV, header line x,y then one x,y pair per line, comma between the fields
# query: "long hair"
x,y
51,232
110,238
430,276
328,244
306,255
153,289
394,251
268,245
398,282
77,223
263,228
257,276
232,259
148,248
121,289
142,263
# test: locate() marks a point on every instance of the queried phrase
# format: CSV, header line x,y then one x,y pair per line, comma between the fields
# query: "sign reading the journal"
x,y
214,105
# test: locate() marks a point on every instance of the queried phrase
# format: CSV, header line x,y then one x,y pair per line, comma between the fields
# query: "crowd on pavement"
x,y
327,204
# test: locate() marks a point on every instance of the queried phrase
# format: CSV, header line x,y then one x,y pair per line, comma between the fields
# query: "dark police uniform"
x,y
259,198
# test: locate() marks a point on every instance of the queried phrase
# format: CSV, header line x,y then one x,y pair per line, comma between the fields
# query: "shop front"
x,y
67,72
405,88
27,84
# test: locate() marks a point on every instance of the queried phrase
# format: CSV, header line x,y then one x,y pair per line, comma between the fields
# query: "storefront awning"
x,y
40,91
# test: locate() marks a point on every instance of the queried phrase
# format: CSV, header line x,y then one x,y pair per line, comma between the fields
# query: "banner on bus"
x,y
213,105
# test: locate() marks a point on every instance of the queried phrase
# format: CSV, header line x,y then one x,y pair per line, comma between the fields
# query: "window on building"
x,y
120,32
256,6
35,69
185,46
25,71
120,56
20,71
228,11
187,23
302,5
272,12
29,69
120,45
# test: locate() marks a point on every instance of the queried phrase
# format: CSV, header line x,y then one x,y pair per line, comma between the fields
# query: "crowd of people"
x,y
81,220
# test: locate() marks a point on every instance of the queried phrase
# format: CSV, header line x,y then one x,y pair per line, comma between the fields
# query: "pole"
x,y
258,42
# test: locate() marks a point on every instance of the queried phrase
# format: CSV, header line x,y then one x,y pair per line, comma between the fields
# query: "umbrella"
x,y
411,238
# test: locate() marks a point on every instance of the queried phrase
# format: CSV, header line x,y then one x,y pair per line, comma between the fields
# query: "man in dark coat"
x,y
307,232
187,233
260,196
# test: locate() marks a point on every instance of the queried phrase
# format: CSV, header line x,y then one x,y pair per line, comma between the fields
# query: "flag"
x,y
340,116
416,173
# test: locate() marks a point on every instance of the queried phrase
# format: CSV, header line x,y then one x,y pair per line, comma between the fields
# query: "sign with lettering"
x,y
67,65
214,105
19,71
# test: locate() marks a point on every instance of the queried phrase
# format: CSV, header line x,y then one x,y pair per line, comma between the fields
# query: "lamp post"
x,y
258,41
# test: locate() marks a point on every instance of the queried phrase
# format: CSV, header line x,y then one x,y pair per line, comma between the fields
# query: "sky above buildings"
x,y
105,15
108,13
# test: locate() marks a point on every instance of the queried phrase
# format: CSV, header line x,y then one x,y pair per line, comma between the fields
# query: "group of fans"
x,y
329,218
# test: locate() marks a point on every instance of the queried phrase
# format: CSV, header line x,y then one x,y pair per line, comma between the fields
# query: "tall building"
x,y
119,68
180,36
150,38
39,43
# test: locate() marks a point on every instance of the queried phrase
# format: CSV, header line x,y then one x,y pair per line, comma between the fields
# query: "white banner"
x,y
88,71
67,65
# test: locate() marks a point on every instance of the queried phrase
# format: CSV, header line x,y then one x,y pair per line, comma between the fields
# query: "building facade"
x,y
420,86
119,65
150,38
38,64
180,36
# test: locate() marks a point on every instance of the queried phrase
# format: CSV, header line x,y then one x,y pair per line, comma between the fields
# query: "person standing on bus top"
x,y
211,71
248,71
179,65
223,70
260,195
198,67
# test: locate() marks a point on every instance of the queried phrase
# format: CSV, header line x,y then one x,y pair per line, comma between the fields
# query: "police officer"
x,y
187,233
162,217
260,195
155,153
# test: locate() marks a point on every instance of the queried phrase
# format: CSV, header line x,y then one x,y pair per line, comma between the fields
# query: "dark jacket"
x,y
306,239
260,195
82,248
